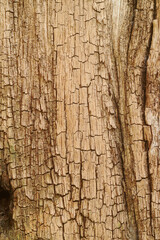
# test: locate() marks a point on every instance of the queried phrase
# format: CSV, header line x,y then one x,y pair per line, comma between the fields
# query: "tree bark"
x,y
79,119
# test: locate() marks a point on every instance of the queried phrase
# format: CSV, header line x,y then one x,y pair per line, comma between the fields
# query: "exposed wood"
x,y
79,119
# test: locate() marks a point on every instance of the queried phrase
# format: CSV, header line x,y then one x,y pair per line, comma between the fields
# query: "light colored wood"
x,y
79,118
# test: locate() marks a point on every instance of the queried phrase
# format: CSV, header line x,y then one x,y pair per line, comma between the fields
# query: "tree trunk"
x,y
79,119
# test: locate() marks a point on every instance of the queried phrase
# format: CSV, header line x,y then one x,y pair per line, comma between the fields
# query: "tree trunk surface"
x,y
80,119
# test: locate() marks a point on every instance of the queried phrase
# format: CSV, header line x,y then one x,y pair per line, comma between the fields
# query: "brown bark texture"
x,y
80,119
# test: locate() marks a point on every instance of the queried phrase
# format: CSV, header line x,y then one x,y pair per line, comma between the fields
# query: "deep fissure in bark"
x,y
6,208
147,144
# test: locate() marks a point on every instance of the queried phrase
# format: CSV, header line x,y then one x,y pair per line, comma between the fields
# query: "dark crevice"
x,y
150,187
144,76
6,221
122,150
144,86
132,26
155,10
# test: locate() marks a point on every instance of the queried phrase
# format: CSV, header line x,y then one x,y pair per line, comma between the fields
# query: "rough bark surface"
x,y
79,119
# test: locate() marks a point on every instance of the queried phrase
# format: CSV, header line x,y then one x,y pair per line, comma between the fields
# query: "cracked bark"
x,y
79,119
